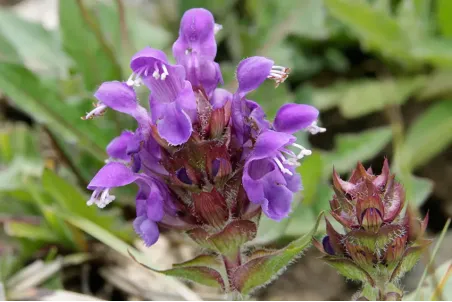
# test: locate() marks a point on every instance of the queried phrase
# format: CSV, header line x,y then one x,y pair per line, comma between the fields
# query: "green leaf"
x,y
429,135
30,231
7,50
350,148
261,270
44,104
211,261
431,261
438,283
90,50
141,32
373,26
99,233
270,230
17,171
200,274
434,51
436,85
311,174
418,190
216,7
38,47
443,13
368,96
70,199
66,235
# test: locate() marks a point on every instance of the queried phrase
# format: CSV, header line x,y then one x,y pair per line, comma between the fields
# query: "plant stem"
x,y
231,262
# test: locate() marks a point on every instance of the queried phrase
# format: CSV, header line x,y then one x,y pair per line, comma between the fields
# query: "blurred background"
x,y
379,71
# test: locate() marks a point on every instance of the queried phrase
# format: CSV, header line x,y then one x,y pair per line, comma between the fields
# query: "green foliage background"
x,y
364,64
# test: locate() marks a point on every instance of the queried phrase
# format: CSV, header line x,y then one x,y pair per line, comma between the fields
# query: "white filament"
x,y
99,110
314,129
281,166
101,198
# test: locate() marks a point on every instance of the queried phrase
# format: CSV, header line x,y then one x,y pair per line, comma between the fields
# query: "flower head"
x,y
206,161
380,243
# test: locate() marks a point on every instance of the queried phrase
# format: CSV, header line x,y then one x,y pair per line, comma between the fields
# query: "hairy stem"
x,y
231,262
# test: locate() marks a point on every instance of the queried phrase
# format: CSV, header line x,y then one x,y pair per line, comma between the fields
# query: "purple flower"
x,y
150,202
246,114
195,49
172,101
253,71
203,157
122,98
117,148
291,118
112,175
268,177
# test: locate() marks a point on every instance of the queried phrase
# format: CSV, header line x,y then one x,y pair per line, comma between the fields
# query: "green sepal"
x,y
375,241
409,260
262,269
348,269
233,236
228,241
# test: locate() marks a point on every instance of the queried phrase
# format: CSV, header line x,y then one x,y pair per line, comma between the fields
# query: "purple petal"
x,y
220,97
164,80
293,182
257,116
252,72
186,101
278,201
291,118
175,125
147,57
195,49
118,96
201,72
196,34
112,175
155,205
327,245
117,148
253,187
147,229
265,185
269,143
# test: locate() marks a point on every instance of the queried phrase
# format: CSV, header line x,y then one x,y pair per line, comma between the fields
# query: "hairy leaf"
x,y
261,270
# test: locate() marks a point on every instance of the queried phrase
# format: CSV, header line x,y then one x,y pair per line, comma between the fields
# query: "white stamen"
x,y
98,111
116,160
101,201
130,80
216,28
303,151
187,52
281,167
135,78
314,129
156,73
279,74
165,72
